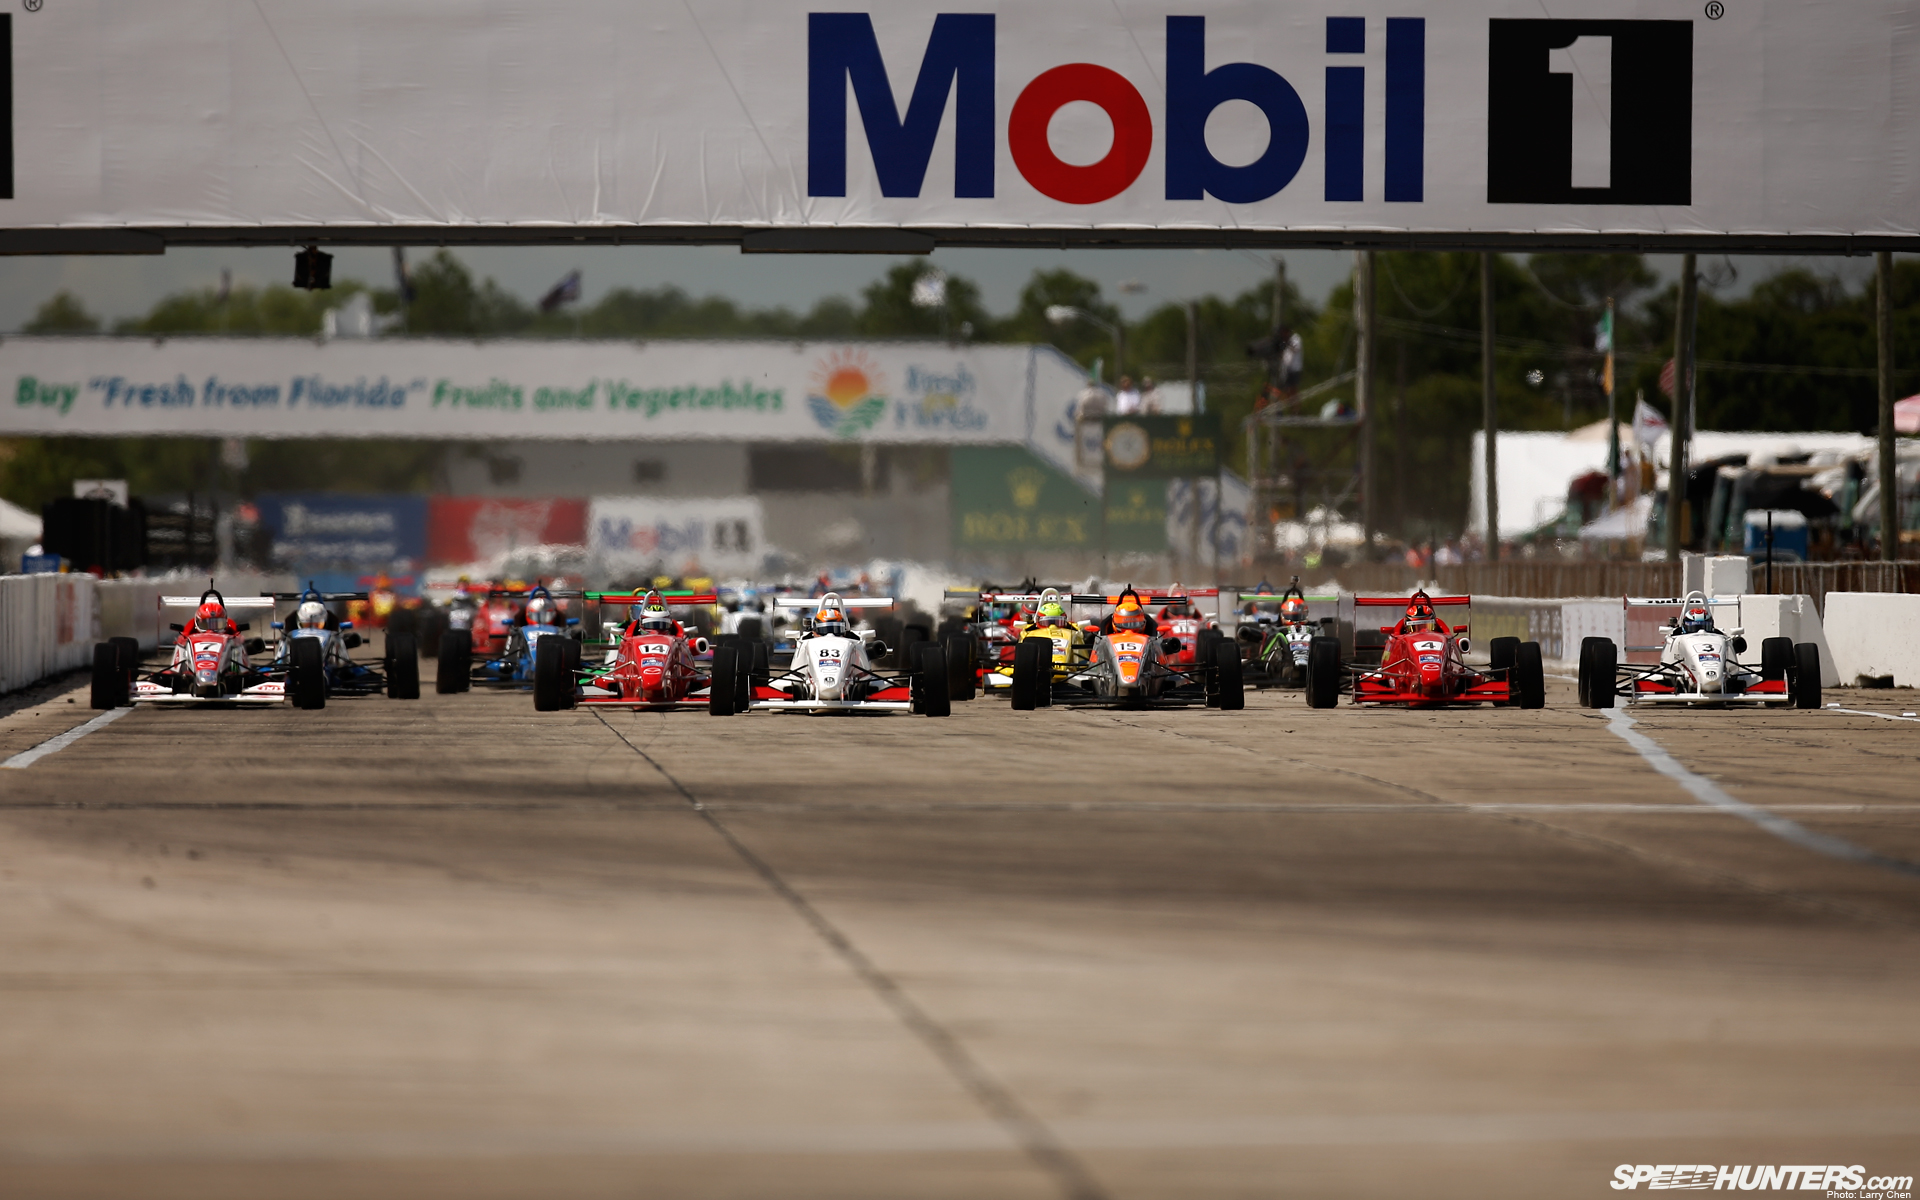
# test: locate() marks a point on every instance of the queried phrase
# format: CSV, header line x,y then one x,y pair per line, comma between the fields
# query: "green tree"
x,y
1082,340
62,314
272,311
447,303
889,311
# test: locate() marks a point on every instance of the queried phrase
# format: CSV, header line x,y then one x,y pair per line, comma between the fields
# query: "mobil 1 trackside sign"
x,y
701,118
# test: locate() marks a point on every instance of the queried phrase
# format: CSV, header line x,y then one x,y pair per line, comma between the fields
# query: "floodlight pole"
x,y
1683,335
1489,408
1363,313
1889,477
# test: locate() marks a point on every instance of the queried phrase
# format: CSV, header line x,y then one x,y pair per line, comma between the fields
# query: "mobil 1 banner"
x,y
758,118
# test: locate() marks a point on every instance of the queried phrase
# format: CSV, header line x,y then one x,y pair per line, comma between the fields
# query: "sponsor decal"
x,y
847,395
1845,1182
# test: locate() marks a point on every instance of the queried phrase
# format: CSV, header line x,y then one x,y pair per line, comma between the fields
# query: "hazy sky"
x,y
115,286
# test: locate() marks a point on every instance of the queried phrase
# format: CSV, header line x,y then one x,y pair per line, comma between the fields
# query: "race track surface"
x,y
456,949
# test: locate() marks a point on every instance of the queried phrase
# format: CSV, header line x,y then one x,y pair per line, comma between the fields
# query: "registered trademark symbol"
x,y
1715,10
32,5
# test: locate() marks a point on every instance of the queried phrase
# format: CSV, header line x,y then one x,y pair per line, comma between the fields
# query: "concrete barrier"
x,y
1794,617
128,608
47,626
1875,634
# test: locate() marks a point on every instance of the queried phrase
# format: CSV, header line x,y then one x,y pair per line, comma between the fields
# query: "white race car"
x,y
212,659
832,670
1699,664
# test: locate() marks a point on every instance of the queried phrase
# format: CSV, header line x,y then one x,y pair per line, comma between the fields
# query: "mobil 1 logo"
x,y
1590,112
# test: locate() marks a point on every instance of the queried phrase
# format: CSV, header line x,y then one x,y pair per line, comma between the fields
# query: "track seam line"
x,y
59,742
1816,903
1029,1133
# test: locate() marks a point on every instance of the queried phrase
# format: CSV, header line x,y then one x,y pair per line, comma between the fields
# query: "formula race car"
x,y
1180,621
211,663
651,660
1699,664
311,657
513,664
1278,634
832,670
1424,663
1129,660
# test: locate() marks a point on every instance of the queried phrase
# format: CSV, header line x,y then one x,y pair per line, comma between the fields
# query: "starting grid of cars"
x,y
1038,647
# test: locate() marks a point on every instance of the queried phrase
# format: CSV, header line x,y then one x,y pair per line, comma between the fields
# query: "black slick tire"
x,y
936,696
1805,684
403,667
760,663
1530,673
452,666
306,674
1230,684
960,673
905,655
549,675
1323,672
570,655
1776,658
723,693
1501,652
1588,650
109,681
1026,677
1604,685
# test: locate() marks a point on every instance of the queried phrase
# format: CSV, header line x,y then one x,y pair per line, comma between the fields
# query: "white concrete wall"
x,y
1793,617
46,627
1875,633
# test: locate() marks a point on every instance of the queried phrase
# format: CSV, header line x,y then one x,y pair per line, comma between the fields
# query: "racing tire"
x,y
570,656
1604,685
549,675
1530,673
1805,680
905,657
1776,658
1502,651
960,674
433,623
723,689
109,681
935,695
454,663
1026,677
306,674
1323,672
1229,683
1585,675
760,663
403,667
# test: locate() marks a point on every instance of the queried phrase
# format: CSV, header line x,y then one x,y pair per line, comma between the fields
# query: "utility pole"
x,y
1613,421
1682,406
1363,315
1489,408
1193,352
1889,481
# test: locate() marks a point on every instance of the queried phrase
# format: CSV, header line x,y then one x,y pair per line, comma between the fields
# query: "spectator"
x,y
1126,401
1149,395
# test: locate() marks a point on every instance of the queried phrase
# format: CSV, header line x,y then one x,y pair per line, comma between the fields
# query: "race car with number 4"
x,y
1699,664
211,663
1424,663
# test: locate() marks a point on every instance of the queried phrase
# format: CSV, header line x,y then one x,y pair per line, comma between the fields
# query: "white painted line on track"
x,y
1861,712
27,758
1708,792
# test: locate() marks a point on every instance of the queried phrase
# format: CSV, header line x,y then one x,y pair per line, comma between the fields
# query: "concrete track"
x,y
454,948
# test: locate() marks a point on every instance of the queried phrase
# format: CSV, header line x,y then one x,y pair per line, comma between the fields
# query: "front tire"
x,y
723,689
1501,652
306,674
403,667
1531,674
1230,683
1805,684
1026,677
935,697
1776,658
109,680
454,666
1604,685
961,677
1323,672
549,675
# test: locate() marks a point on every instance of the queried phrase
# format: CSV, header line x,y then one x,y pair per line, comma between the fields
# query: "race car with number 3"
x,y
1699,664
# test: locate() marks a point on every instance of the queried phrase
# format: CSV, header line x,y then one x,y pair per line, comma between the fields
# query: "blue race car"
x,y
311,655
513,665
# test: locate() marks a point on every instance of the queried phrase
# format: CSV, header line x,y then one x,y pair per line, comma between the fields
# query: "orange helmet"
x,y
212,618
830,620
1293,610
1129,618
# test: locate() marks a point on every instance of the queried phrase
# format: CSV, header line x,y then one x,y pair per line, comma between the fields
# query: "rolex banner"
x,y
703,119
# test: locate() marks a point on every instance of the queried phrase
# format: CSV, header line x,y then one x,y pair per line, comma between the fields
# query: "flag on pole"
x,y
1648,425
1603,343
564,292
402,278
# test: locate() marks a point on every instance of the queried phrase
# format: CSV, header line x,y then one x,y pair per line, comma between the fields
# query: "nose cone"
x,y
1430,679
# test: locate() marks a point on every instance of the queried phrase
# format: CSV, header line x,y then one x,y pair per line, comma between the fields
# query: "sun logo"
x,y
848,393
1025,483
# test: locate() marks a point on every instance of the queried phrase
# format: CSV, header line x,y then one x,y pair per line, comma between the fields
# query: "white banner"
x,y
515,118
744,391
638,533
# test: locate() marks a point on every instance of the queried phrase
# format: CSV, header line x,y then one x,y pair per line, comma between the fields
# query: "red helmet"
x,y
212,618
1293,610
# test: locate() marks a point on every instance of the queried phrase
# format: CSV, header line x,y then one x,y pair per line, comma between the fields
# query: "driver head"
x,y
311,614
830,620
541,611
1293,610
1051,615
212,618
654,619
1697,618
1129,618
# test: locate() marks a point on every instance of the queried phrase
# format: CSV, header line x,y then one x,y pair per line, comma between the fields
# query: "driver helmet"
x,y
212,618
541,611
311,614
1051,614
654,619
1697,619
830,620
1293,610
1128,618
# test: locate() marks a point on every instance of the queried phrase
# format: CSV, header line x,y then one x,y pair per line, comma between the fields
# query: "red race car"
x,y
1424,663
653,665
1180,619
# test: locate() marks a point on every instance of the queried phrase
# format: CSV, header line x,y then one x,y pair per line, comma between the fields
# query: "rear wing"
x,y
670,599
1277,597
329,597
1645,602
245,603
1401,601
858,602
1643,627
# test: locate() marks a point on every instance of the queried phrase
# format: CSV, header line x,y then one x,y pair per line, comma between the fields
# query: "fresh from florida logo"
x,y
848,393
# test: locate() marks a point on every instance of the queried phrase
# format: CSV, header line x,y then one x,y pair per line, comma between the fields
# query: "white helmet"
x,y
541,611
311,614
